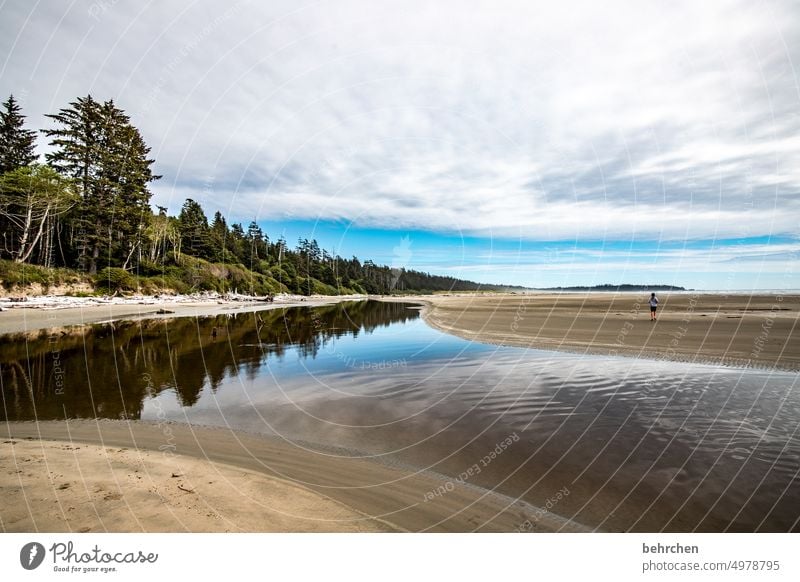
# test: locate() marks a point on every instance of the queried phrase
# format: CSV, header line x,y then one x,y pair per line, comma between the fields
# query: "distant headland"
x,y
611,287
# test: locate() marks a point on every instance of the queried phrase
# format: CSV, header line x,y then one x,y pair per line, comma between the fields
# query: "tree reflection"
x,y
108,370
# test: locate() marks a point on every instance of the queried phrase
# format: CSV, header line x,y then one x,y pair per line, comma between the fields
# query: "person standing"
x,y
653,306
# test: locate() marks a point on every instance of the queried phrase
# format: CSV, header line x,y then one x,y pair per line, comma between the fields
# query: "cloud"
x,y
526,120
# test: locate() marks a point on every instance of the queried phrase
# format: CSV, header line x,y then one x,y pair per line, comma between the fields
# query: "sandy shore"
x,y
50,480
61,487
737,330
118,475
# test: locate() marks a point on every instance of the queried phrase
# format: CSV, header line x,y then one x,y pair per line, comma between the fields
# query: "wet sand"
x,y
759,331
257,484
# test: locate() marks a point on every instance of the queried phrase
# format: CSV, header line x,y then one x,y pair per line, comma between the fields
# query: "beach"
x,y
758,331
130,475
61,486
123,481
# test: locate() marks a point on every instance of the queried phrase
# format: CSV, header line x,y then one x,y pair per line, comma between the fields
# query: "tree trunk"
x,y
35,241
26,230
130,255
93,259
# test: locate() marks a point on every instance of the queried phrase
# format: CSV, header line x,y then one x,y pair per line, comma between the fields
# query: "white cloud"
x,y
527,119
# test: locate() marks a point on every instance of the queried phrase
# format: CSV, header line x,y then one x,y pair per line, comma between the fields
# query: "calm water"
x,y
639,445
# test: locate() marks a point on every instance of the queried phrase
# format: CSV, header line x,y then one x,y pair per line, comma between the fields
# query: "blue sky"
x,y
532,143
764,262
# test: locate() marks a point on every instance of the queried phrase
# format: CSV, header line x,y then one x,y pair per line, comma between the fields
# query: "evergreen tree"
x,y
125,174
193,227
257,245
237,242
97,145
219,225
76,142
220,240
16,142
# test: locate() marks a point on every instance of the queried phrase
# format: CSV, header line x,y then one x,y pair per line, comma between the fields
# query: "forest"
x,y
84,214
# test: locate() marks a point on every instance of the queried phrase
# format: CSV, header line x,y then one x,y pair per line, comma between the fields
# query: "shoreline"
x,y
339,492
336,493
748,331
735,331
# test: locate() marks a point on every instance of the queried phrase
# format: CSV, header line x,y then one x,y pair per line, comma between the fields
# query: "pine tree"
x,y
220,239
193,227
256,245
237,242
16,143
97,145
125,169
219,225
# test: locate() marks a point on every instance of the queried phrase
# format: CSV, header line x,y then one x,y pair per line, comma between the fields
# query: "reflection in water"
x,y
640,445
107,370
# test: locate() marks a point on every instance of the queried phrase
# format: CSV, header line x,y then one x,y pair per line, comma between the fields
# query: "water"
x,y
639,445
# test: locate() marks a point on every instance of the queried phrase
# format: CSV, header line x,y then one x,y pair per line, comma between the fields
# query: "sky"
x,y
528,143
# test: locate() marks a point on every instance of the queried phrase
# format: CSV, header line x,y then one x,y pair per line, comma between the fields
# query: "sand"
x,y
54,486
50,480
758,331
84,475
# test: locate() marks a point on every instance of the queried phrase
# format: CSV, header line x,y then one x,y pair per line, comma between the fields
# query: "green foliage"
x,y
320,288
16,143
115,279
31,199
17,275
96,144
194,231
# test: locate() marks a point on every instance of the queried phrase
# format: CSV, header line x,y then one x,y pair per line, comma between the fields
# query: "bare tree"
x,y
30,197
